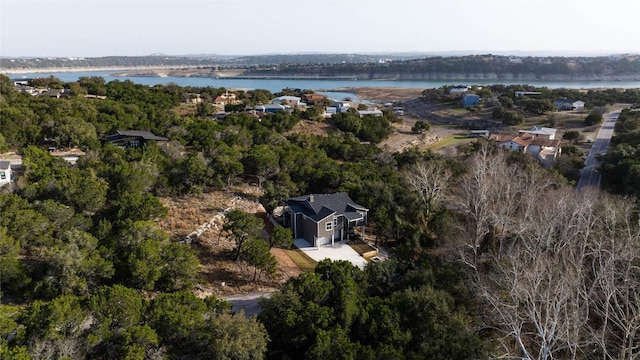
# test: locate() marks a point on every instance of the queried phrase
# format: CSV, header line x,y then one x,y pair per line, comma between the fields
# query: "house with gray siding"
x,y
5,172
323,219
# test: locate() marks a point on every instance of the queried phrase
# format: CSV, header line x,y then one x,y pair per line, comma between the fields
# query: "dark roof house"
x,y
322,219
132,138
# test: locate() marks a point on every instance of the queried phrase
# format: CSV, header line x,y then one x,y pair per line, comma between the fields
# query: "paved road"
x,y
590,177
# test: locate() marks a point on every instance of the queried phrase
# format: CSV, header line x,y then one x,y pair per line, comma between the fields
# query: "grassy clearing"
x,y
457,139
301,259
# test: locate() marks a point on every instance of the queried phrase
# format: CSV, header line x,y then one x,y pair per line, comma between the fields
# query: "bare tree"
x,y
616,280
429,179
556,268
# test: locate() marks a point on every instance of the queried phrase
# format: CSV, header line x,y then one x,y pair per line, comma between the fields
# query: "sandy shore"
x,y
392,94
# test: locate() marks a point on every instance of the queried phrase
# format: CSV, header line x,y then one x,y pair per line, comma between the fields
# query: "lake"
x,y
276,85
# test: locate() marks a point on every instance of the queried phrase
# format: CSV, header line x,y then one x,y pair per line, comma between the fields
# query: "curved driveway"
x,y
590,177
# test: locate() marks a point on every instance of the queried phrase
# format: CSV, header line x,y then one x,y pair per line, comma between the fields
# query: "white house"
x,y
374,112
568,104
459,90
541,148
287,100
272,108
5,172
543,133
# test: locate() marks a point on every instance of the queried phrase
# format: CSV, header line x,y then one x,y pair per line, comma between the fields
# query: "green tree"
x,y
3,144
74,265
593,119
420,127
259,256
281,236
536,106
13,273
139,254
571,135
180,319
181,267
61,318
437,332
71,131
262,162
118,327
242,227
236,337
203,109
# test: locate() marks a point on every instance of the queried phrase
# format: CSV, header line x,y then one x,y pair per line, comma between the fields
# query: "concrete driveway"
x,y
339,251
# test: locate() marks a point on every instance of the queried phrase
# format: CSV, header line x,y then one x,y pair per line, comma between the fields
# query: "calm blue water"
x,y
278,85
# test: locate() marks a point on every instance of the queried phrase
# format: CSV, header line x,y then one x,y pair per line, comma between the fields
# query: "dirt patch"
x,y
320,128
384,94
285,265
199,218
403,138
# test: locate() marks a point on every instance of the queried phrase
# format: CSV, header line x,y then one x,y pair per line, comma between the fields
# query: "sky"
x,y
93,28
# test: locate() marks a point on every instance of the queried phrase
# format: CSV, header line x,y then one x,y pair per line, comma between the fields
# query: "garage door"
x,y
324,240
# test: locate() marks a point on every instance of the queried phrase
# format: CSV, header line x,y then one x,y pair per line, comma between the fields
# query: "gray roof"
x,y
320,206
147,135
565,100
4,165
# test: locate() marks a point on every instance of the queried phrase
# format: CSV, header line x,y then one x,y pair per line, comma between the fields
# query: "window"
x,y
134,143
3,176
328,226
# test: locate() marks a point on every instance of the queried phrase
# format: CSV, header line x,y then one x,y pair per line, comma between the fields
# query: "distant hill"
x,y
619,67
8,64
408,66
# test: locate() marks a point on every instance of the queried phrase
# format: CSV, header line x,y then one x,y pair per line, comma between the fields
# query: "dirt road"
x,y
250,302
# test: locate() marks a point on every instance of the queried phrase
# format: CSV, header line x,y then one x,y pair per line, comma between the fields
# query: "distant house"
x,y
5,172
132,138
56,93
568,104
459,89
294,101
330,110
226,98
271,108
480,133
527,93
543,133
313,98
191,98
323,219
539,143
374,112
341,106
509,142
470,99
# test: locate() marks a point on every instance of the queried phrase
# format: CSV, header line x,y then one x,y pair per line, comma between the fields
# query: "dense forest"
x,y
492,255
